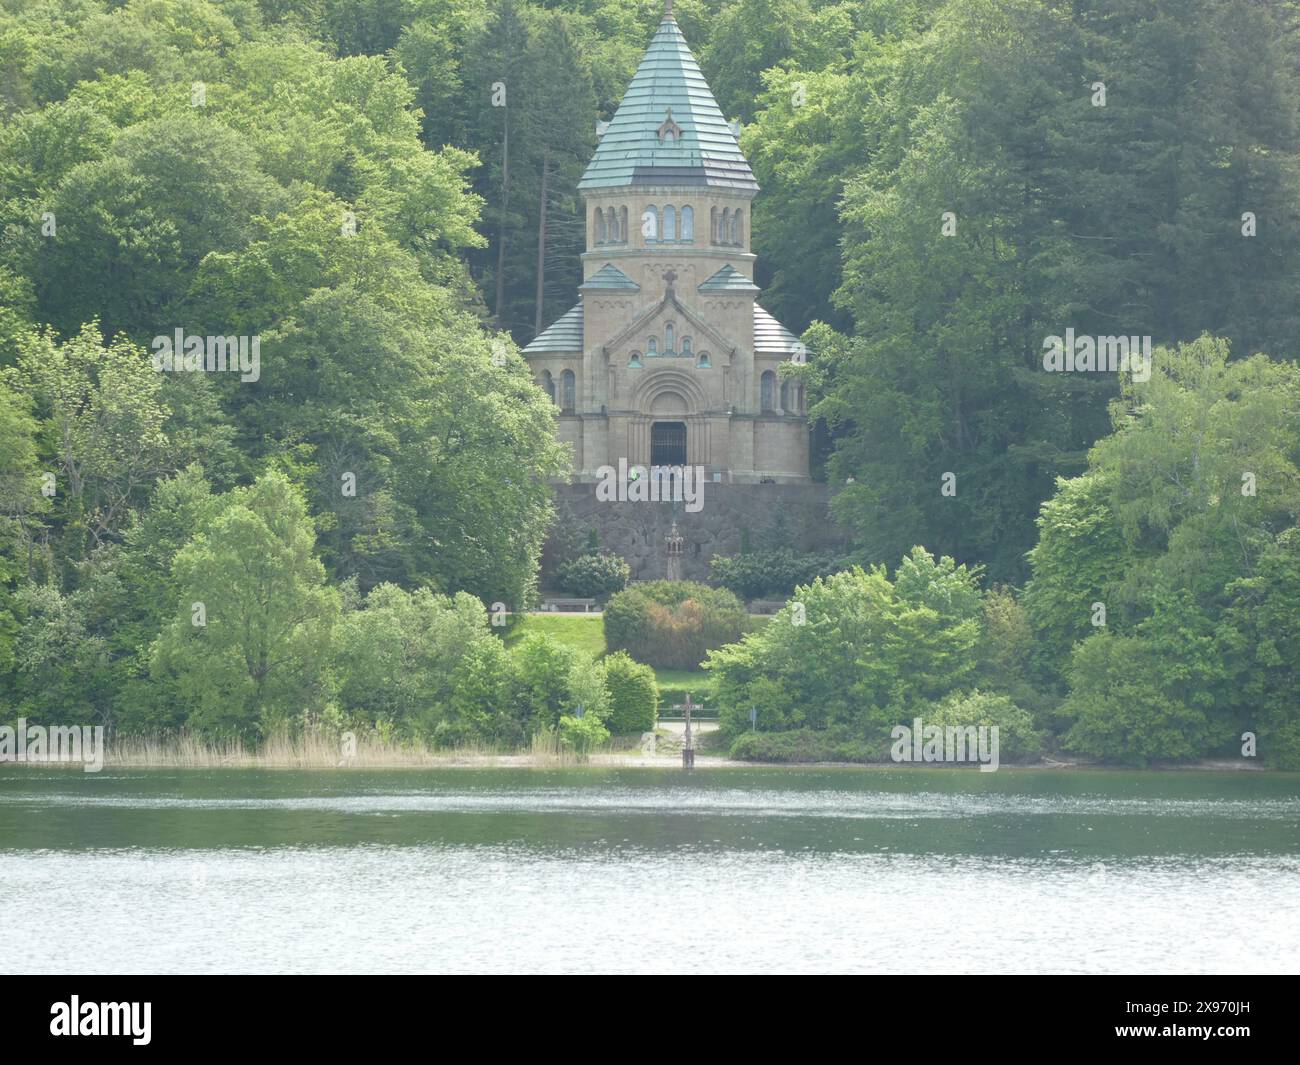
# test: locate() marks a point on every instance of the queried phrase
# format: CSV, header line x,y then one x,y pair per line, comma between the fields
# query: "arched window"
x,y
686,347
785,396
650,223
668,339
765,388
568,388
704,363
548,383
670,222
688,223
652,347
724,233
612,216
622,225
713,225
634,363
600,226
735,227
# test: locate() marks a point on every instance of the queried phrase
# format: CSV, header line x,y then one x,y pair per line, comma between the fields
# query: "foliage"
x,y
248,645
1195,496
1018,740
404,657
672,624
633,695
593,575
770,574
807,745
855,650
582,734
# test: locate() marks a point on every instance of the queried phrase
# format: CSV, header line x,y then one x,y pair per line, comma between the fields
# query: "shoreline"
x,y
391,761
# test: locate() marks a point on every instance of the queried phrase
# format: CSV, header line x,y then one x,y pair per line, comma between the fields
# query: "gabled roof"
x,y
728,279
610,276
631,152
770,336
564,334
702,328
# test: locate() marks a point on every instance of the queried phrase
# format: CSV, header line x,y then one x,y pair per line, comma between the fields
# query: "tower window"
x,y
669,131
622,225
735,228
688,223
713,225
766,385
785,395
568,390
670,222
668,339
650,223
548,383
600,226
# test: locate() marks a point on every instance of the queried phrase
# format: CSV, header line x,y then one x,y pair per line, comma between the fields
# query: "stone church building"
x,y
667,358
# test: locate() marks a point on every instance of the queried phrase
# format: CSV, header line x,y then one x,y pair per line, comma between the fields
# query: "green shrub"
x,y
550,680
672,624
593,576
771,574
1018,740
582,734
633,695
807,745
853,649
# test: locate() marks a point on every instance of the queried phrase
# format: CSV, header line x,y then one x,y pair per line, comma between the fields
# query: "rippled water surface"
x,y
648,870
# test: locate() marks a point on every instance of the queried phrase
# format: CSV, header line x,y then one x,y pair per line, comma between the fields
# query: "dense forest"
x,y
364,186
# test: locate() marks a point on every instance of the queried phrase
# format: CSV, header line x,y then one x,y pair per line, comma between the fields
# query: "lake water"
x,y
632,870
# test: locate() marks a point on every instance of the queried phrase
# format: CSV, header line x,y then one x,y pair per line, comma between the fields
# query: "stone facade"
x,y
667,358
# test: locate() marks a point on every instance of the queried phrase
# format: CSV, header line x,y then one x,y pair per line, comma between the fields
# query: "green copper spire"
x,y
668,129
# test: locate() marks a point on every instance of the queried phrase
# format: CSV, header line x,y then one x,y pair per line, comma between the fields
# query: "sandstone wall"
x,y
797,514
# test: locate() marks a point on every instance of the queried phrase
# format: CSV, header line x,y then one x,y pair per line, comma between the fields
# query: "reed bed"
x,y
318,750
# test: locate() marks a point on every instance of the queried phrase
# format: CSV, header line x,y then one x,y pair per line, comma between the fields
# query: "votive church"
x,y
667,358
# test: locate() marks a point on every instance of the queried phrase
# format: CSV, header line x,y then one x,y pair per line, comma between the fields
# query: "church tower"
x,y
667,358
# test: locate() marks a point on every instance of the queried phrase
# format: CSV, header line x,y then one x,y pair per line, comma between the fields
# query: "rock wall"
x,y
797,515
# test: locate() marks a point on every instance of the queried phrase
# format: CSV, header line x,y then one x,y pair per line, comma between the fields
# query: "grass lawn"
x,y
582,631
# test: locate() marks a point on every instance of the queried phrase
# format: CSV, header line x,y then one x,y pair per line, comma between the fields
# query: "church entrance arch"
x,y
668,444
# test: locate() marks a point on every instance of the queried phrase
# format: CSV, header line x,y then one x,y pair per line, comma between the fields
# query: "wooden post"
x,y
688,748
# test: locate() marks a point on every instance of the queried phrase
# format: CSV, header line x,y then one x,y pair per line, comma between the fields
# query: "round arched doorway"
x,y
668,444
668,429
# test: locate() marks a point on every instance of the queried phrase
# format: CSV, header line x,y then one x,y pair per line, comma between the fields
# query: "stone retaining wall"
x,y
795,514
